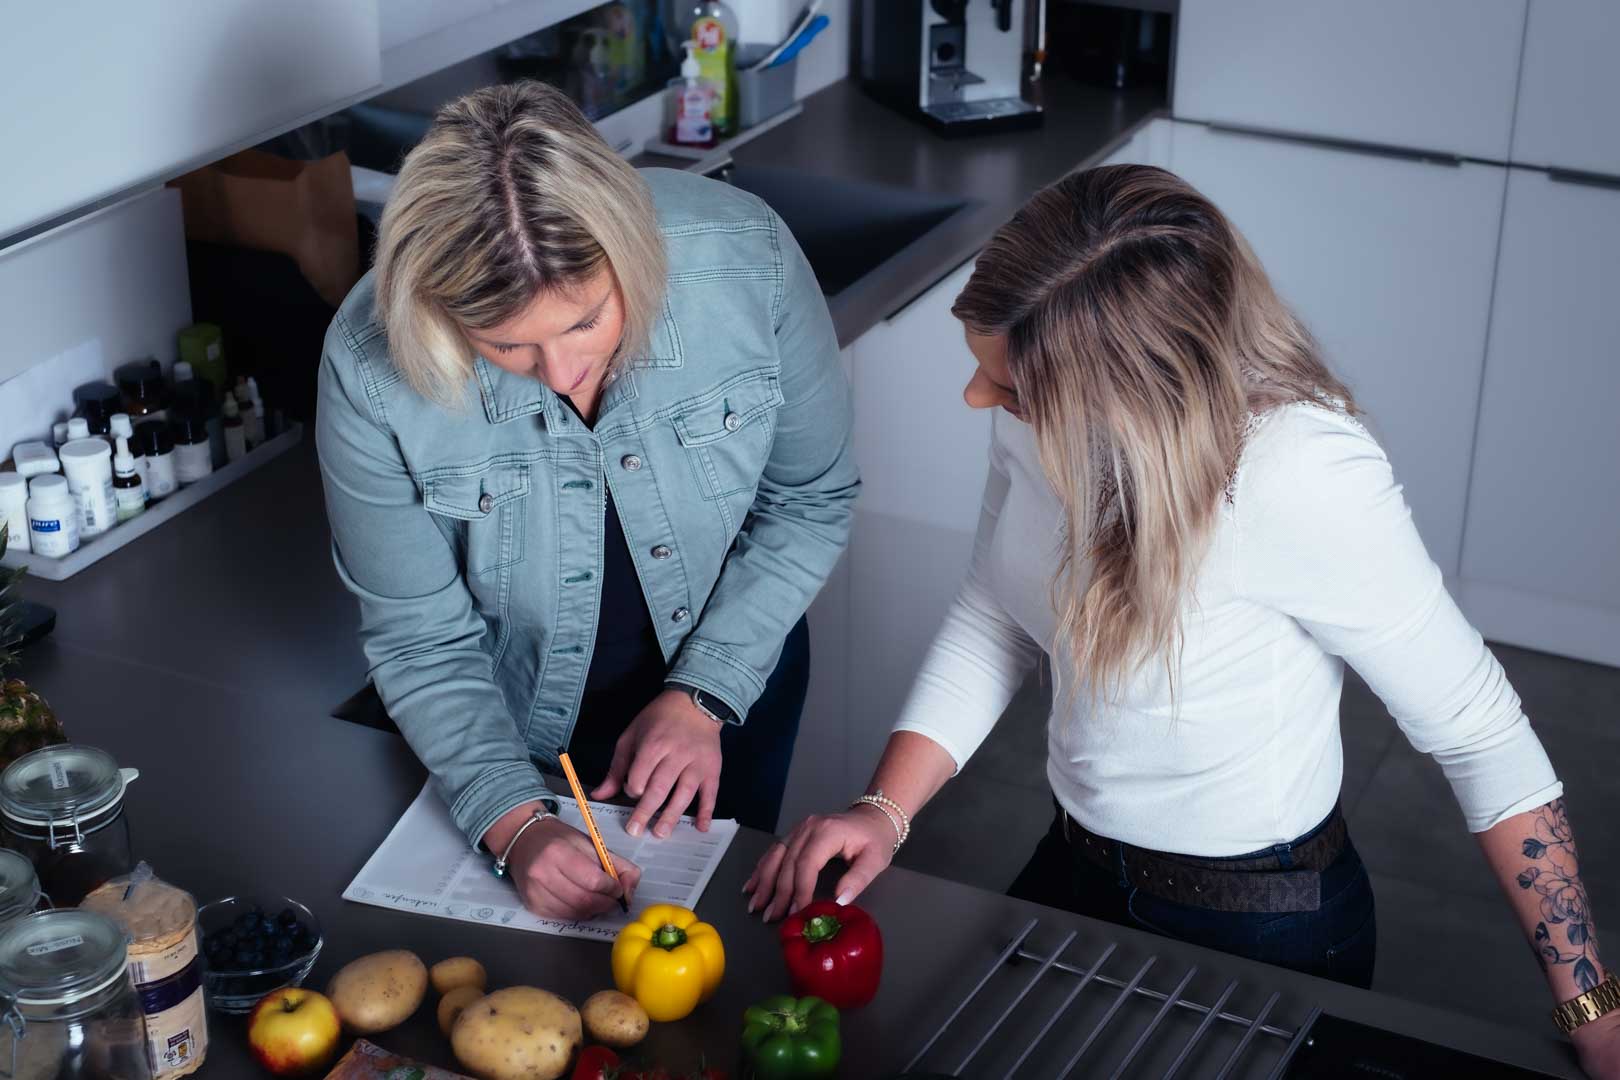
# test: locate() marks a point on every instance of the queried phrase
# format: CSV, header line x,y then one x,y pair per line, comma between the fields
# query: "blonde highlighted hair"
x,y
1141,335
511,194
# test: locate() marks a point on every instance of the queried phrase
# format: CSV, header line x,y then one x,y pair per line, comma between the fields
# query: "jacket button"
x,y
661,552
681,614
486,502
630,462
733,421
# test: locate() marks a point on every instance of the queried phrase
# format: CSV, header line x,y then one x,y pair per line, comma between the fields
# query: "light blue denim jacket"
x,y
473,539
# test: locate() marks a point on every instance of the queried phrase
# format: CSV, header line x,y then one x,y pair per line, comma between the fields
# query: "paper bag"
x,y
304,209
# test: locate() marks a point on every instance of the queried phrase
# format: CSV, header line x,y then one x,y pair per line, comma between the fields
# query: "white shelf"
x,y
99,547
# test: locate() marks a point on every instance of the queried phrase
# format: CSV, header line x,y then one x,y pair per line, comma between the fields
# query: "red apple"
x,y
294,1032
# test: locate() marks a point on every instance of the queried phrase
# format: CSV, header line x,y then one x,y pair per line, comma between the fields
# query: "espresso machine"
x,y
957,65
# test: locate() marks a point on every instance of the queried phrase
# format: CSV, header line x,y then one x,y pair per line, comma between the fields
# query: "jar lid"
x,y
13,479
59,957
80,450
142,380
19,885
48,486
60,783
152,437
102,395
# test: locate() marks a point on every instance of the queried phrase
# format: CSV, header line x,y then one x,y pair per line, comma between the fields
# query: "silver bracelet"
x,y
902,827
500,864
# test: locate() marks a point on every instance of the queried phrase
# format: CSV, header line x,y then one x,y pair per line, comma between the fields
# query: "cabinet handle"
x,y
1585,179
1403,153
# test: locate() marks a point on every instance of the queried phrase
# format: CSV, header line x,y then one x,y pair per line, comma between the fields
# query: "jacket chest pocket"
x,y
727,435
484,509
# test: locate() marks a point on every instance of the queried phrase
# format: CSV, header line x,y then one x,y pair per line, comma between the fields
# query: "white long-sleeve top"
x,y
1314,562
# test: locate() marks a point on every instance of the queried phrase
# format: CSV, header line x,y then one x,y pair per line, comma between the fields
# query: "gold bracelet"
x,y
1601,1000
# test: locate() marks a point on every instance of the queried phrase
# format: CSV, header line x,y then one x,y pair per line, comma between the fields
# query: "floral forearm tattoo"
x,y
1564,934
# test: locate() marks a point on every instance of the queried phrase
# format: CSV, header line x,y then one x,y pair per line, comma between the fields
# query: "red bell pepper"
x,y
834,953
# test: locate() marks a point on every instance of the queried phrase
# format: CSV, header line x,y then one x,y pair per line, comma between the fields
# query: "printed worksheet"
x,y
426,866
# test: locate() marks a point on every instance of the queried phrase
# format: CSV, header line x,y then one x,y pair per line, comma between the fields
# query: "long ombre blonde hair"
x,y
511,194
1141,335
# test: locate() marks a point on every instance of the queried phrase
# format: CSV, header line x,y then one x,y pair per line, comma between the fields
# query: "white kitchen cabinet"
x,y
1541,553
1437,75
1569,87
1389,262
923,456
921,450
407,20
101,103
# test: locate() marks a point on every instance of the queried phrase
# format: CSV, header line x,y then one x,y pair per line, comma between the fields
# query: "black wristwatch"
x,y
711,706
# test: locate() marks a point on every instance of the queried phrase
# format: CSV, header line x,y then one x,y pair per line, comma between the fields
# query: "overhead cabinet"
x,y
1437,75
132,94
1570,87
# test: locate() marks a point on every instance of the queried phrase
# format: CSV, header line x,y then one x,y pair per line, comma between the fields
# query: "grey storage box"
x,y
762,94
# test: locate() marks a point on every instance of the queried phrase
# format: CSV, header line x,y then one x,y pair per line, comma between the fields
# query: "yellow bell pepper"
x,y
668,961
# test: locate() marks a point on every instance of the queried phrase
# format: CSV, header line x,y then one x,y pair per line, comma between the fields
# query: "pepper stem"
x,y
669,936
790,1022
819,928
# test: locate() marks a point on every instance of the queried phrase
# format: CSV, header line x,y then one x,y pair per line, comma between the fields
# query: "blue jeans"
x,y
755,754
1337,941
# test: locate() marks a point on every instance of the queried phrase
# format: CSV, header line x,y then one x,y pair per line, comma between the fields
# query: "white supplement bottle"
x,y
53,516
14,510
88,466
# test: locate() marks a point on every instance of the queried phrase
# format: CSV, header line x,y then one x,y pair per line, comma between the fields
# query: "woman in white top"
x,y
1184,514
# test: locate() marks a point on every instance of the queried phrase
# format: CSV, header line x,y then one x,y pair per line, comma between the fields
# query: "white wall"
x,y
116,277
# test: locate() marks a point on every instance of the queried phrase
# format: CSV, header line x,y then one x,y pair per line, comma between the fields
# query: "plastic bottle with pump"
x,y
693,98
712,27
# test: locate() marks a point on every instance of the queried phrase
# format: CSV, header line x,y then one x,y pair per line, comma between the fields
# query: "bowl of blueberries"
x,y
253,946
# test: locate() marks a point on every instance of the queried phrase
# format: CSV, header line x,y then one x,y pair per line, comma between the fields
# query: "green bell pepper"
x,y
788,1038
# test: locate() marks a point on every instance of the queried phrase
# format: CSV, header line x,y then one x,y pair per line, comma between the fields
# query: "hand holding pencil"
x,y
556,869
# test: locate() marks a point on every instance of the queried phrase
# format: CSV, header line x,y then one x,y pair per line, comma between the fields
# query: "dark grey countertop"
x,y
846,135
211,653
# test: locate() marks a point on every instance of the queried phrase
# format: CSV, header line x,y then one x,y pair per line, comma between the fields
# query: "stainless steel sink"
x,y
847,228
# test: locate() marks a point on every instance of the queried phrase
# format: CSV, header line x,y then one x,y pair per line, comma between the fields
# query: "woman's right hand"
x,y
558,875
785,879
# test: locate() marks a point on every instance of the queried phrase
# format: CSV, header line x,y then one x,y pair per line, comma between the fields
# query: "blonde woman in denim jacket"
x,y
586,447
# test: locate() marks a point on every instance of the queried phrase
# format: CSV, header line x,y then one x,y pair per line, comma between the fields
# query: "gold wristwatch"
x,y
1602,999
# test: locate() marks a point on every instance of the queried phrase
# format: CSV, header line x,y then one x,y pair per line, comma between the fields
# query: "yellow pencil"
x,y
590,824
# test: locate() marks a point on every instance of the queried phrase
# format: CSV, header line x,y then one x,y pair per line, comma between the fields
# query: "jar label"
x,y
59,776
169,983
45,948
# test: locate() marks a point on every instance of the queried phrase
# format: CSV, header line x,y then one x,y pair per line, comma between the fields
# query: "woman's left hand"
x,y
668,755
1598,1045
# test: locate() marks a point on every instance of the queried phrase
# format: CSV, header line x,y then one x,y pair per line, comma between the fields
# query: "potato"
x,y
519,1033
458,971
378,992
615,1019
454,1000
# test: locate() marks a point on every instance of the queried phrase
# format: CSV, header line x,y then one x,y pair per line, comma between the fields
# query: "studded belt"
x,y
1272,881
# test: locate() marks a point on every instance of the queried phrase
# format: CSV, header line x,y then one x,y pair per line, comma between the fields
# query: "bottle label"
x,y
192,462
169,983
159,469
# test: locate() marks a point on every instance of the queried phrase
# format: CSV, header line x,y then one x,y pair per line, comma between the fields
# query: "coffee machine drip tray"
x,y
1013,111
